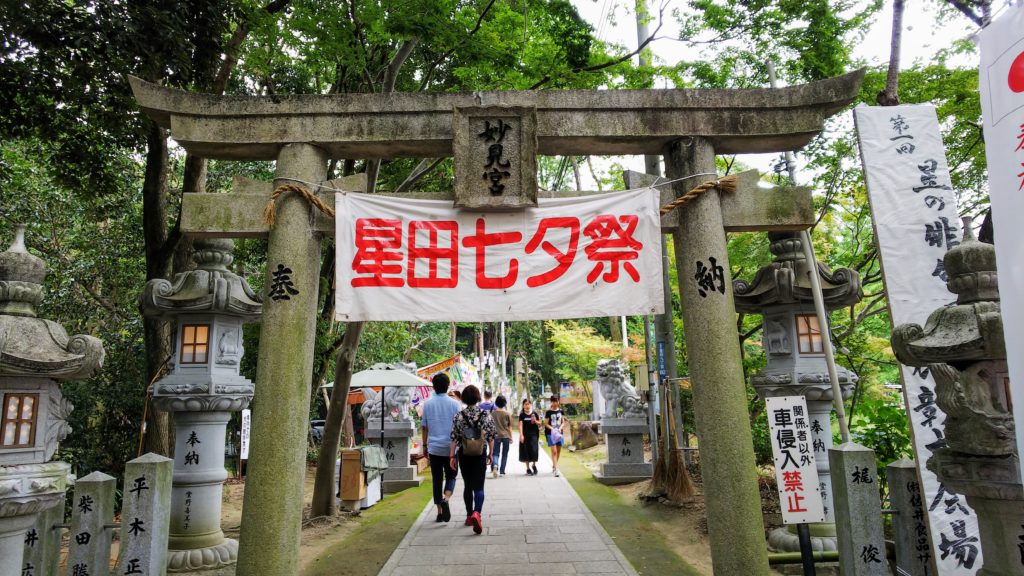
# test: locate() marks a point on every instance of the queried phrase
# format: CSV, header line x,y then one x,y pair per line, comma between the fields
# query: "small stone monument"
x,y
962,345
202,388
624,432
35,354
781,294
398,428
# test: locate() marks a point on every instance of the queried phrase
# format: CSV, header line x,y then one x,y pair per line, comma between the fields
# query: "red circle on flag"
x,y
1016,76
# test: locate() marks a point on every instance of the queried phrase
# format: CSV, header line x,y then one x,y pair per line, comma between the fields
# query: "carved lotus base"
x,y
212,558
31,488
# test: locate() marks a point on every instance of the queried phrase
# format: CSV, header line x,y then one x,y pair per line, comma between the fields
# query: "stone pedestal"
x,y
992,485
858,511
27,491
624,438
400,475
196,540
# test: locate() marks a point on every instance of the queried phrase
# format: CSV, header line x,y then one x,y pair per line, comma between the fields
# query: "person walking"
x,y
503,427
438,413
529,437
488,404
554,428
472,441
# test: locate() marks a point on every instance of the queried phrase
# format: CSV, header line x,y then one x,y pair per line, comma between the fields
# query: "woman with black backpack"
x,y
473,436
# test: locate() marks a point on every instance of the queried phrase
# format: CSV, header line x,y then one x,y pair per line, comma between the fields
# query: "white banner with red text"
x,y
1002,107
796,470
916,223
408,259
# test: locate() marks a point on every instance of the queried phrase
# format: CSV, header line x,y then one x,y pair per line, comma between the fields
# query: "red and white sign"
x,y
1002,106
916,222
796,472
406,259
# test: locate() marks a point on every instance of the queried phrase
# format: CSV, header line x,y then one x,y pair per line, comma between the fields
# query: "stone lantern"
x,y
35,354
203,387
962,346
781,294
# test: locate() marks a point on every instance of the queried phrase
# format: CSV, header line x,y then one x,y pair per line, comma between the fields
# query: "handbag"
x,y
472,439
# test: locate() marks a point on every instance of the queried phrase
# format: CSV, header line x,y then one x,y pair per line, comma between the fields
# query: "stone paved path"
x,y
532,525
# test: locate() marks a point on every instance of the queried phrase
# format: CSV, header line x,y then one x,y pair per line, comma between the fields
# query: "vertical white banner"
x,y
246,424
796,471
1002,106
916,222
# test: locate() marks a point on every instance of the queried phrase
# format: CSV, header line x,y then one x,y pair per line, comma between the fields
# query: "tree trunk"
x,y
325,483
157,332
890,95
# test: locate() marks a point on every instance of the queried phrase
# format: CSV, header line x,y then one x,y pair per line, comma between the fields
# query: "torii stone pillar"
x,y
731,494
273,490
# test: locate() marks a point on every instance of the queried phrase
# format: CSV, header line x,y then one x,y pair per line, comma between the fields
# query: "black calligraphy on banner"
x,y
963,547
929,179
281,285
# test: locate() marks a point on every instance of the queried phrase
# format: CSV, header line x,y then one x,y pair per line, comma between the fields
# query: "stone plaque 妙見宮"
x,y
495,152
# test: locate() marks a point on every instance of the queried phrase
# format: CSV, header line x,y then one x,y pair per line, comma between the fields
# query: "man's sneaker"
x,y
477,523
502,473
494,473
446,511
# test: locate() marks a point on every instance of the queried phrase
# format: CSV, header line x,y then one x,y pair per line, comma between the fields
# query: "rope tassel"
x,y
726,184
270,209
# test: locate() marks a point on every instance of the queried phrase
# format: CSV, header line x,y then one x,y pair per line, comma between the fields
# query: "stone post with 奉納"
x,y
962,346
35,355
395,402
208,306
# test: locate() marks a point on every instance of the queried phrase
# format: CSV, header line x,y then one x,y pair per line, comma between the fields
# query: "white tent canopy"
x,y
389,378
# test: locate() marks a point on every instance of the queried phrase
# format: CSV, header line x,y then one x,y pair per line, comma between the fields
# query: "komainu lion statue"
x,y
396,399
618,393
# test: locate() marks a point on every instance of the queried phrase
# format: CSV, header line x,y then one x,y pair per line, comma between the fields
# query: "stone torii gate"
x,y
689,127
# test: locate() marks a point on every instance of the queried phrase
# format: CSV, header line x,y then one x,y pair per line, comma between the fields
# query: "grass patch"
x,y
628,523
381,528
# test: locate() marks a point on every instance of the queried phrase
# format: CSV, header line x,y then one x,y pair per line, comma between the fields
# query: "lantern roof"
x,y
31,346
211,287
787,280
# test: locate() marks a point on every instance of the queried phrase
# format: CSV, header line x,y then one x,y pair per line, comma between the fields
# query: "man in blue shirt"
x,y
438,413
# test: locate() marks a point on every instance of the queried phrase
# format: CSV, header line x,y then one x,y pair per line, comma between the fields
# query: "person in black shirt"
x,y
554,426
529,437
